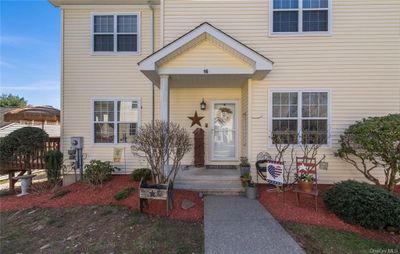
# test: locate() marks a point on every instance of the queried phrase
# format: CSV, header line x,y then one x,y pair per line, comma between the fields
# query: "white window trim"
x,y
300,24
299,111
115,33
115,100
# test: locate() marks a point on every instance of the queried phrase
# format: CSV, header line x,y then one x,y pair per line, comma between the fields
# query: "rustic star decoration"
x,y
195,119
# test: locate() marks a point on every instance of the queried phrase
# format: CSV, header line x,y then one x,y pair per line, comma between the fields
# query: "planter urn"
x,y
306,186
251,192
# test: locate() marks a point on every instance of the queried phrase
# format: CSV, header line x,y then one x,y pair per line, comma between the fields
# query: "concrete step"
x,y
208,180
212,188
209,175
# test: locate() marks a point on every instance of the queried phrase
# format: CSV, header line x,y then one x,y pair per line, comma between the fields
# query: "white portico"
x,y
196,70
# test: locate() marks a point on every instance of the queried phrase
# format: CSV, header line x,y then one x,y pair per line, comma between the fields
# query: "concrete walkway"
x,y
234,224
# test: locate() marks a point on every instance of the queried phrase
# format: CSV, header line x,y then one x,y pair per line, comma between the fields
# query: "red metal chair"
x,y
309,165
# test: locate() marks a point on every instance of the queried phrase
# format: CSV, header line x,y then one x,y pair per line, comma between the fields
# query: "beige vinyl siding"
x,y
206,54
359,62
88,76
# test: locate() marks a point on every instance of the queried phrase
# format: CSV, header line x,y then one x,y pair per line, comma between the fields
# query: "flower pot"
x,y
244,170
244,180
306,186
251,192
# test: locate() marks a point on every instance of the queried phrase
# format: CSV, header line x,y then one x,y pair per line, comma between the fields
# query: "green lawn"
x,y
324,240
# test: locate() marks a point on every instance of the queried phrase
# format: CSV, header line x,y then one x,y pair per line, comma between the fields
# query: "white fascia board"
x,y
201,71
261,62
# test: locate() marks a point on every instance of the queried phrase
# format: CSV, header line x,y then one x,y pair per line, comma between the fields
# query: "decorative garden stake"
x,y
199,147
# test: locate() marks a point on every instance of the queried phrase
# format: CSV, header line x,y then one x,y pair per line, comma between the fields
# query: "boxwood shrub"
x,y
364,204
137,174
97,172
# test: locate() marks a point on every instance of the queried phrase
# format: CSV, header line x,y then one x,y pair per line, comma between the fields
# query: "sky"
x,y
30,51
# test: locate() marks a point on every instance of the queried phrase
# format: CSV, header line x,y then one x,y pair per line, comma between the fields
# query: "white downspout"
x,y
62,83
152,51
249,118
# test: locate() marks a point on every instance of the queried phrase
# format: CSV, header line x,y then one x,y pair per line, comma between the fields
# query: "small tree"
x,y
12,101
26,144
372,145
159,143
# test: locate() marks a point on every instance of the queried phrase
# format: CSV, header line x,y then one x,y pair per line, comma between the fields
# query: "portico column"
x,y
164,98
164,112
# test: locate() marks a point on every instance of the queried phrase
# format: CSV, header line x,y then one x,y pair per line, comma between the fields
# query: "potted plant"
x,y
244,166
251,190
305,181
245,179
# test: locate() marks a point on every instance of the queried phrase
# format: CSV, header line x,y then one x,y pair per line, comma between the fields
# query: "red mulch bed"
x,y
305,213
85,194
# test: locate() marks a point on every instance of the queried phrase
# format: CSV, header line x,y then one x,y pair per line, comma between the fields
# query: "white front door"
x,y
224,137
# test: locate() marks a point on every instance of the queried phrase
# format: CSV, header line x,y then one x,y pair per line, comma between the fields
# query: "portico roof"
x,y
254,65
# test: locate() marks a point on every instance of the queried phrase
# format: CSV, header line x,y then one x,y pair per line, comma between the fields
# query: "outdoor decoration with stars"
x,y
195,119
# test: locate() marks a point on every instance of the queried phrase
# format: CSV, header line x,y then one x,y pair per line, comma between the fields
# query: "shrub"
x,y
96,172
124,193
364,204
26,143
53,160
137,174
373,146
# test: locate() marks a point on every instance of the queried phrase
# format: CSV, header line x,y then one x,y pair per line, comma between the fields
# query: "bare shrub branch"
x,y
160,143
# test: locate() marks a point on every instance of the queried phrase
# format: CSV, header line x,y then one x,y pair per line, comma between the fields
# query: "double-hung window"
x,y
300,16
115,121
299,117
116,33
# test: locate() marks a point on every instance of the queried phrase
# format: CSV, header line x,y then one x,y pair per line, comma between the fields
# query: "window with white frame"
x,y
299,117
300,16
115,33
115,121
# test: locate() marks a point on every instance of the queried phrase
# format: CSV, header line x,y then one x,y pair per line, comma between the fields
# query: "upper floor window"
x,y
300,16
115,33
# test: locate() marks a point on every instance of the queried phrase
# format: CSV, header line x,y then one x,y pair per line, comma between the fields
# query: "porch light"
x,y
203,105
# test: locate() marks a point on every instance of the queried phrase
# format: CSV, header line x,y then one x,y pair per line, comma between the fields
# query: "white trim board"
x,y
149,65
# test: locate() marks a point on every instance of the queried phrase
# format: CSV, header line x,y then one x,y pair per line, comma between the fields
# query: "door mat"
x,y
221,167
